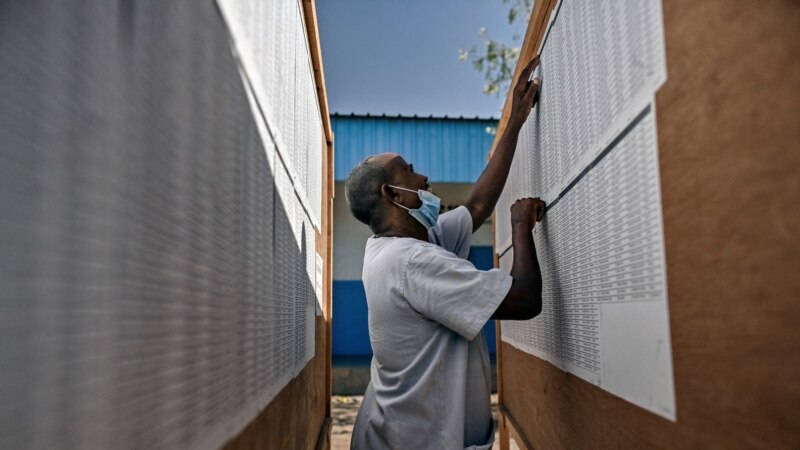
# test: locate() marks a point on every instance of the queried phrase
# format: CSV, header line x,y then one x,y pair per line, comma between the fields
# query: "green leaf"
x,y
496,60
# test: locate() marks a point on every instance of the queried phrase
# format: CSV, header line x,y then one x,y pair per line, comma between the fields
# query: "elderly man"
x,y
430,371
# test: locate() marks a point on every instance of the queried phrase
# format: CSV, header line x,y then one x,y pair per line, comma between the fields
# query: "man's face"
x,y
403,175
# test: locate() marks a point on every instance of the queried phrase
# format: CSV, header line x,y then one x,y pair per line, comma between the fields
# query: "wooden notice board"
x,y
299,417
728,125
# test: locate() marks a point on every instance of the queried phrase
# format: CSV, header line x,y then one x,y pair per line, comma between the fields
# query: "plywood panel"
x,y
728,142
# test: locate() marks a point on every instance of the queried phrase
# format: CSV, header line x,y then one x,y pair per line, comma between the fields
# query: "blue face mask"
x,y
428,213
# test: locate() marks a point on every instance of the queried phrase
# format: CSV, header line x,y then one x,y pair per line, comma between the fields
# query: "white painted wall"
x,y
350,235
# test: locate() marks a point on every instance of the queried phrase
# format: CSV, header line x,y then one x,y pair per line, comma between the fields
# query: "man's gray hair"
x,y
363,191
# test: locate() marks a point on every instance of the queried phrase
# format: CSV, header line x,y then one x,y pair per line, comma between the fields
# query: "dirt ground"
x,y
345,408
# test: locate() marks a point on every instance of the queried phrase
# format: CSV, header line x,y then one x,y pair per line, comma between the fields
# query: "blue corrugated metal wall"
x,y
447,150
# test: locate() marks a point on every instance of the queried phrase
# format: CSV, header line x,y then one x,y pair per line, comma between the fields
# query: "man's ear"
x,y
391,194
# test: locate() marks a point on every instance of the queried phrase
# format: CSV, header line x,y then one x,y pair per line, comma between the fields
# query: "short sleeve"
x,y
450,290
453,231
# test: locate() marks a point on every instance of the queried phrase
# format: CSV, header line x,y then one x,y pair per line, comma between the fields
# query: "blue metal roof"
x,y
444,149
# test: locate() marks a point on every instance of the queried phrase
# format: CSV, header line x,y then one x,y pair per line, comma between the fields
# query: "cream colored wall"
x,y
350,235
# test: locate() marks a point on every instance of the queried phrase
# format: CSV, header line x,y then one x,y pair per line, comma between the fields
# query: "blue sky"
x,y
401,56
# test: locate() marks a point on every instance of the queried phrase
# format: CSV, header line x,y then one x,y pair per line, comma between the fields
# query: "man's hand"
x,y
527,211
524,94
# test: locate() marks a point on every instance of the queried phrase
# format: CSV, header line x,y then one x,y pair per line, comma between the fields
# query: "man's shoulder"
x,y
377,245
384,253
453,232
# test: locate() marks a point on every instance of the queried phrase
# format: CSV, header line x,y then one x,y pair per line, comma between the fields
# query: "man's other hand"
x,y
528,211
524,94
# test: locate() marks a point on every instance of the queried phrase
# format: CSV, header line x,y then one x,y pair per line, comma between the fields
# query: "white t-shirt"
x,y
430,371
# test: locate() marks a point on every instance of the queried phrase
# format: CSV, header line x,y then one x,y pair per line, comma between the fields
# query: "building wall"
x,y
445,149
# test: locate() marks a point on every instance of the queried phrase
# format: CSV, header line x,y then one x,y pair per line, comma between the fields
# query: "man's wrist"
x,y
513,126
522,225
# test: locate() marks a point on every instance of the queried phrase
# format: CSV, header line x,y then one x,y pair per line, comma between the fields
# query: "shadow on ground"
x,y
344,410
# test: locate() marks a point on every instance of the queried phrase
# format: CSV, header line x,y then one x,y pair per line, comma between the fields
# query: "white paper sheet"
x,y
601,64
601,251
319,281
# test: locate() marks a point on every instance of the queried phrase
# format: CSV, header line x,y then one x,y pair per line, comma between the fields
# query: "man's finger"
x,y
524,82
532,85
530,94
540,210
531,65
526,72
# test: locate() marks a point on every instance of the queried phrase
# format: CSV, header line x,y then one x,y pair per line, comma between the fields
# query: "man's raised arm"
x,y
483,197
524,300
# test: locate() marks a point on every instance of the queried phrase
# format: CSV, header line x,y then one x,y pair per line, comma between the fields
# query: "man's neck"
x,y
409,230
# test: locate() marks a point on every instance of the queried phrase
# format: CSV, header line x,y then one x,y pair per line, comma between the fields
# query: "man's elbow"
x,y
533,307
478,212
